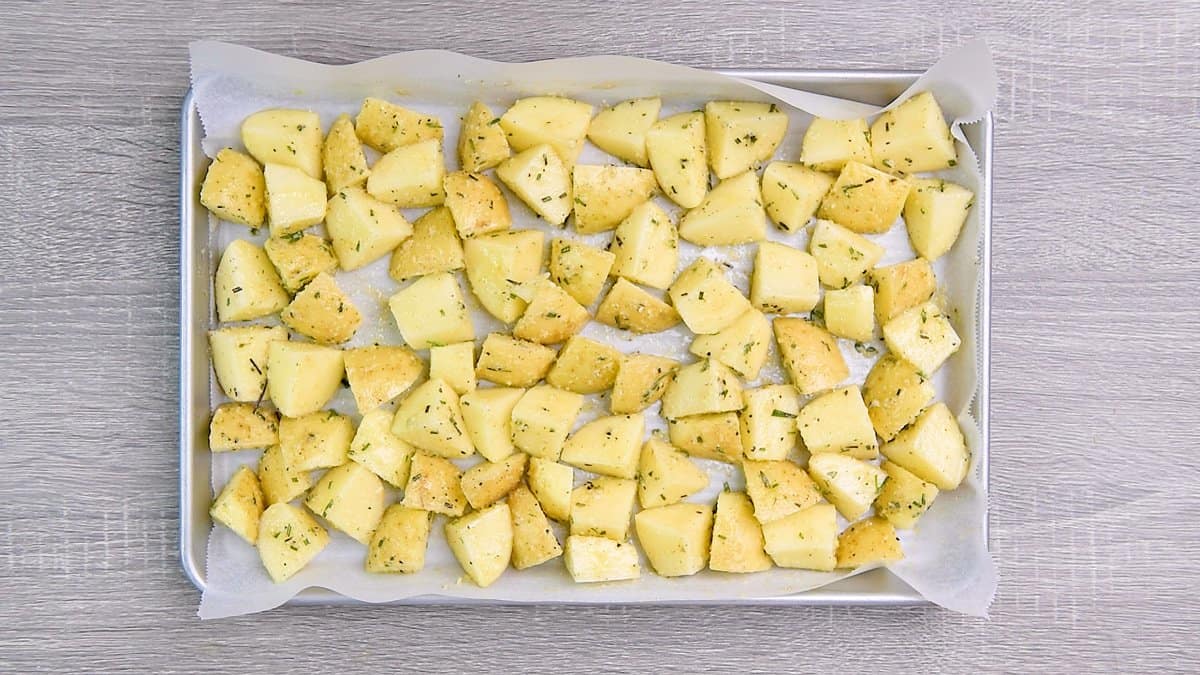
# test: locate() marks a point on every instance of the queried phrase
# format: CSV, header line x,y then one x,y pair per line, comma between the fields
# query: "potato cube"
x,y
934,215
454,364
386,126
837,421
379,450
287,137
552,483
785,280
714,436
850,484
318,440
607,445
912,137
295,200
810,355
778,488
482,143
869,541
629,307
594,559
864,199
350,498
706,386
842,256
497,264
510,362
646,246
280,481
768,422
410,176
551,316
542,419
584,366
430,418
675,537
304,376
923,336
343,157
559,122
246,285
705,299
606,195
579,269
321,311
666,475
476,203
540,179
933,448
850,312
742,345
299,258
434,484
621,130
432,311
904,497
433,247
732,213
533,541
487,414
234,189
240,356
602,507
806,539
240,504
895,392
363,229
677,151
829,144
380,373
737,541
483,542
901,286
399,543
488,482
791,193
288,539
741,134
237,426
640,382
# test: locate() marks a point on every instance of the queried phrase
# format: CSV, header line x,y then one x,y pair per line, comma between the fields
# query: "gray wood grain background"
x,y
1094,495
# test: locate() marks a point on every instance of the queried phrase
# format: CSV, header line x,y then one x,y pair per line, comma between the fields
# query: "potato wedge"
x,y
829,144
483,542
791,193
539,178
399,543
809,354
234,189
476,203
676,149
322,312
666,475
410,176
482,143
533,541
240,505
380,373
362,228
561,123
287,137
607,445
431,311
579,269
350,498
434,484
869,541
706,386
511,362
433,247
288,540
631,308
430,418
487,414
238,426
646,247
621,130
304,376
240,359
675,537
385,126
737,540
497,264
343,157
731,213
705,299
606,195
246,285
542,419
640,382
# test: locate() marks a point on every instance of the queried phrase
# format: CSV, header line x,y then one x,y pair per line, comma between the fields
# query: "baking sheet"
x,y
235,582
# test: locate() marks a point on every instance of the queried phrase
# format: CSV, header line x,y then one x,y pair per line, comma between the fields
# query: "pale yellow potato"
x,y
433,247
629,307
912,137
379,450
410,176
895,392
323,312
850,312
454,364
705,299
285,136
806,539
482,143
434,484
829,144
432,311
843,257
742,134
497,264
731,213
791,193
621,130
542,419
304,376
869,541
343,157
246,285
398,545
240,358
482,542
923,336
901,286
768,422
837,421
646,247
584,366
737,540
742,345
809,354
234,189
540,179
511,362
240,505
904,497
385,126
607,445
602,507
640,381
934,215
778,488
579,269
561,123
864,199
666,475
476,203
318,440
238,426
430,418
677,151
552,483
487,414
606,195
362,228
595,559
706,386
288,539
932,448
380,373
675,537
785,279
299,258
533,541
849,484
715,436
551,316
350,498
487,482
295,200
280,482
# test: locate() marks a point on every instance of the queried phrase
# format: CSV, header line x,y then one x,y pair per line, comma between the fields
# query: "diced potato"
x,y
923,336
487,414
732,213
510,362
829,144
318,440
299,258
240,504
343,157
431,311
904,497
304,376
430,418
675,537
806,539
869,541
768,422
482,143
594,559
295,200
850,484
666,475
607,445
385,126
433,247
705,299
842,256
630,307
934,215
778,488
280,481
483,542
640,382
350,498
497,264
715,436
742,345
399,543
434,484
540,179
837,421
584,366
561,123
606,195
410,176
237,426
246,285
579,269
741,134
677,151
533,541
791,193
864,199
321,311
240,358
706,386
234,189
810,355
912,137
850,312
932,447
646,247
552,483
454,364
621,130
379,450
288,539
488,482
287,137
542,419
901,286
895,392
602,507
363,229
380,373
785,279
551,316
737,541
476,203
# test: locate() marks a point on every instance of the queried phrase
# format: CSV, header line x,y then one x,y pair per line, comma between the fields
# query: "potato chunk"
x,y
703,387
433,247
842,256
594,559
380,373
476,203
666,475
741,134
742,345
923,336
280,482
810,355
487,415
869,541
904,497
318,440
304,376
606,195
350,498
542,419
343,157
510,362
732,213
299,258
379,450
246,285
295,200
829,144
430,418
837,421
482,143
646,246
785,279
607,445
552,483
675,537
850,484
385,126
237,426
640,382
288,539
551,316
864,199
234,189
621,130
482,542
850,312
768,422
737,541
321,311
602,507
901,286
363,229
705,299
677,151
791,193
579,269
400,541
895,392
584,366
934,215
240,505
933,448
487,482
432,311
287,137
778,489
497,264
561,123
629,307
410,176
912,137
240,357
454,364
541,180
434,484
533,541
806,539
714,436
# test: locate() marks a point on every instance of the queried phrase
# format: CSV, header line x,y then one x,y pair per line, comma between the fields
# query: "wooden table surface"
x,y
1095,359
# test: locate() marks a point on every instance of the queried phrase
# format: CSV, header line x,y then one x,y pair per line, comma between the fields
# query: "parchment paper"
x,y
947,559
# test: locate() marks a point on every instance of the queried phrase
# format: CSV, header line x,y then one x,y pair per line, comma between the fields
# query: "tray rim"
x,y
192,561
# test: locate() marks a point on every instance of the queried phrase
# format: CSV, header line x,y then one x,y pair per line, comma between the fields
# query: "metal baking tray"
x,y
874,588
